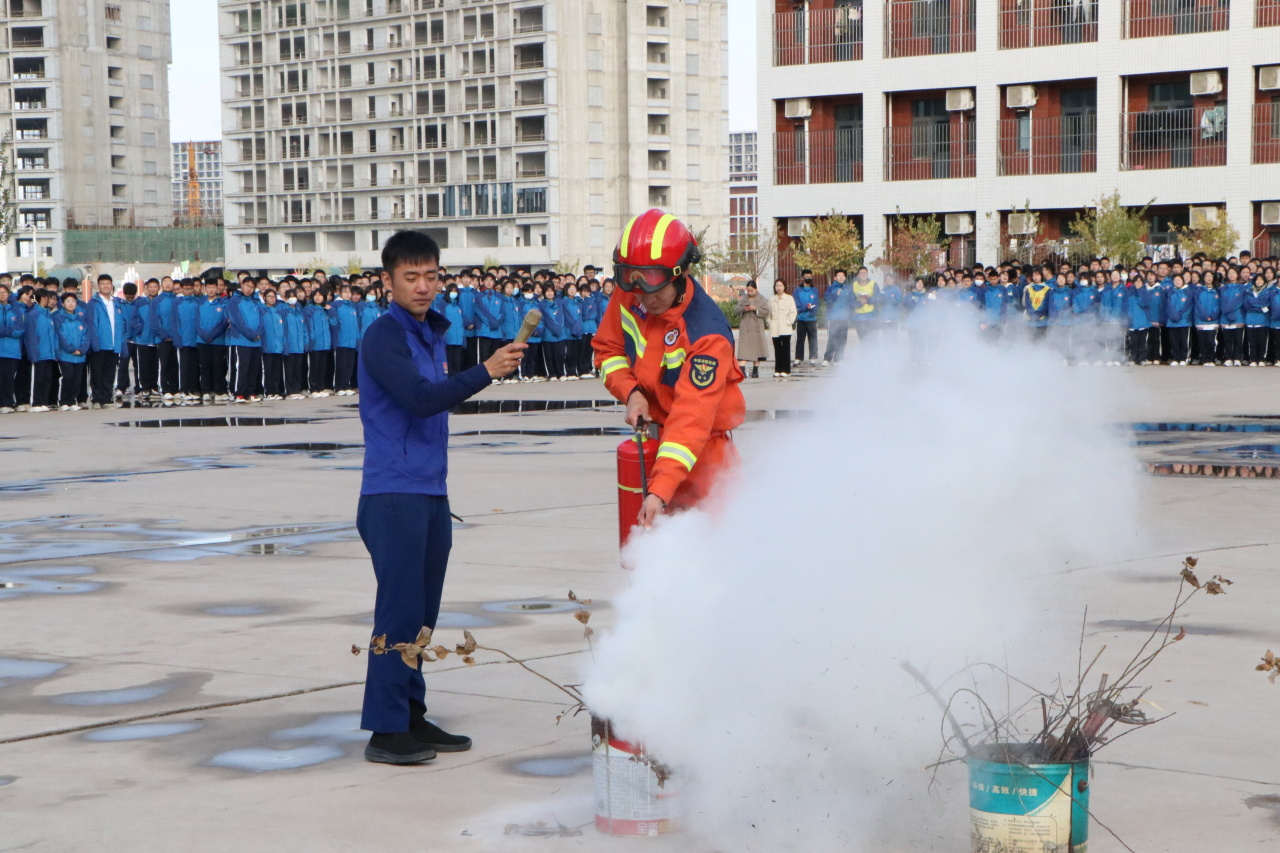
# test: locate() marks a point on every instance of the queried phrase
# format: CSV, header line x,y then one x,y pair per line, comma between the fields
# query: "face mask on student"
x,y
292,300
528,296
453,297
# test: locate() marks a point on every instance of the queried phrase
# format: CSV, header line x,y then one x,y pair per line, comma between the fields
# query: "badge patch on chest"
x,y
702,370
672,337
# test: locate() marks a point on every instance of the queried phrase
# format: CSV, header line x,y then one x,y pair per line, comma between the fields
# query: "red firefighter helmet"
x,y
655,250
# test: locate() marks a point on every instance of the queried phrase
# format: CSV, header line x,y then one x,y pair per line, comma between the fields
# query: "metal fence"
x,y
1147,18
1267,14
818,156
804,36
142,245
1266,133
1174,139
1056,145
926,27
1042,23
928,150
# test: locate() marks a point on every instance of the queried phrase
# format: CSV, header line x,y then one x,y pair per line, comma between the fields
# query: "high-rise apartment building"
x,y
744,211
197,182
1007,118
85,94
527,131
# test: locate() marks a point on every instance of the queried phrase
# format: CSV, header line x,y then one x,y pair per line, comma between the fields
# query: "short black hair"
x,y
70,283
130,289
105,277
409,247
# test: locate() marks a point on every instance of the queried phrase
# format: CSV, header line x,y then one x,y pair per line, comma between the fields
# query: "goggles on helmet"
x,y
647,279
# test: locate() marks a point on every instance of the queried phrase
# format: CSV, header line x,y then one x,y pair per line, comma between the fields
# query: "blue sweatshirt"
x,y
455,335
188,312
107,334
73,336
272,329
144,333
1136,301
1257,307
1231,297
1036,297
405,398
1112,299
1179,303
1207,308
572,307
523,307
552,330
467,300
488,314
837,298
590,315
368,311
319,338
510,318
994,304
164,319
40,340
1275,307
1060,302
244,316
1155,301
1086,304
805,297
13,325
295,328
344,322
211,322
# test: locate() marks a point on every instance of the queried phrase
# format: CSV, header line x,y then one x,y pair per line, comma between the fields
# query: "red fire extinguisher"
x,y
636,457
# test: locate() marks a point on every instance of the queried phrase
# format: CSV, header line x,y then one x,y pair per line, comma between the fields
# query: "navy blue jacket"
x,y
319,338
804,297
144,331
72,335
405,398
295,328
164,316
272,329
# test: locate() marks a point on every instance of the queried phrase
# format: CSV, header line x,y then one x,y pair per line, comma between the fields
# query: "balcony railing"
x,y
1043,23
1146,18
1267,245
1174,139
930,150
529,100
819,157
1267,14
801,36
1056,145
1266,133
29,105
926,27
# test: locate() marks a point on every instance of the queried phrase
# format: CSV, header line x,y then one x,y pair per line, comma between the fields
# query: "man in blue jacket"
x,y
188,340
13,318
40,341
107,341
129,291
403,515
164,320
211,331
344,321
272,347
1179,312
147,339
244,315
806,298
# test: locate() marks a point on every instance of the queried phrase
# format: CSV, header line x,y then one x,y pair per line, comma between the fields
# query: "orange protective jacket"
x,y
683,362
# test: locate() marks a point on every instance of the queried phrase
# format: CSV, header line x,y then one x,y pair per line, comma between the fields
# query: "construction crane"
x,y
193,185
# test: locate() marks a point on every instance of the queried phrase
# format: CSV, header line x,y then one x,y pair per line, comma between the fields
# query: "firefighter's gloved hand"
x,y
637,409
653,507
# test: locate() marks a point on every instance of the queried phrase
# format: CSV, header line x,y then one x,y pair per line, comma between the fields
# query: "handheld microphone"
x,y
529,326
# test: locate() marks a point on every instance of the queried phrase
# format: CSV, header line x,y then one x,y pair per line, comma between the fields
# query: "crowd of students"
x,y
203,341
1198,311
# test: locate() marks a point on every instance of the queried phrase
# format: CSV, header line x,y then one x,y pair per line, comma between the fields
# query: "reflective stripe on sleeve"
x,y
632,329
678,452
609,365
673,360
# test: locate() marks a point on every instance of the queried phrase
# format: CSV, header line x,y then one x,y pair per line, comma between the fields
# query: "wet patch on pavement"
x,y
140,731
312,449
47,580
521,407
529,606
552,766
205,423
7,780
13,670
264,760
44,484
1265,801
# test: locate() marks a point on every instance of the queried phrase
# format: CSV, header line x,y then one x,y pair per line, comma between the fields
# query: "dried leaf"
x,y
1214,588
1190,562
409,654
469,661
1269,657
588,632
380,642
585,602
1224,580
1262,667
1190,577
355,650
441,652
572,597
582,616
1182,632
424,637
378,651
470,645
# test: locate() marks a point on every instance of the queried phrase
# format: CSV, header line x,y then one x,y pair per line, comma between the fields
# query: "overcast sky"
x,y
194,91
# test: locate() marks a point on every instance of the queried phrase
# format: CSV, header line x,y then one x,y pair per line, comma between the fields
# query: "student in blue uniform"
x,y
995,305
532,366
839,301
188,339
1061,315
13,317
319,345
344,325
294,353
572,307
488,322
1206,314
1157,286
272,346
591,315
1086,308
1231,300
107,342
1273,287
147,340
244,317
1136,301
1179,314
73,347
40,340
1114,320
553,333
1257,322
1035,298
211,332
164,321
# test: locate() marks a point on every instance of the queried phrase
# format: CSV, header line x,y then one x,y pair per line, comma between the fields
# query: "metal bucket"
x,y
634,793
1018,805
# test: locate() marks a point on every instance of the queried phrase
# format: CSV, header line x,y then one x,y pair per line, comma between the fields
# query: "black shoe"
x,y
430,735
755,373
397,748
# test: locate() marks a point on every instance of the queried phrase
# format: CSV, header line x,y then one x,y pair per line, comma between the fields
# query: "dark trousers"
x,y
318,369
806,330
1275,344
553,352
189,370
213,368
8,376
470,353
167,355
148,373
344,372
487,347
1207,345
1179,344
1255,344
72,374
1155,339
409,538
1138,345
22,383
102,375
1233,344
837,337
42,383
273,374
293,373
531,366
782,354
587,354
122,369
248,371
453,352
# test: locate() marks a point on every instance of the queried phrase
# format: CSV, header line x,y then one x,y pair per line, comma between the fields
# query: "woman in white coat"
x,y
782,321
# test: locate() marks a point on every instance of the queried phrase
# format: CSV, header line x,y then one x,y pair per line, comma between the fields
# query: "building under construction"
x,y
197,183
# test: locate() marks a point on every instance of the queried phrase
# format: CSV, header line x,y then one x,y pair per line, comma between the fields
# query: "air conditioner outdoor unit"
x,y
798,108
1022,223
959,99
1271,213
1205,217
959,223
1020,97
1206,83
1269,78
796,225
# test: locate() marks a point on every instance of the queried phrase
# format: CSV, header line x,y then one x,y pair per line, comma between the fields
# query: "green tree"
x,y
1112,230
831,243
1217,239
914,244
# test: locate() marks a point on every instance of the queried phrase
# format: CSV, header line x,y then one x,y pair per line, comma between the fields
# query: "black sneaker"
x,y
429,734
397,748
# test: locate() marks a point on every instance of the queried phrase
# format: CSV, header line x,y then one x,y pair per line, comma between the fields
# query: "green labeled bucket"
x,y
1017,804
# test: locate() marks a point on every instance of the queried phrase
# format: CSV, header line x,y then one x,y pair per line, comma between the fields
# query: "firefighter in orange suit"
x,y
666,350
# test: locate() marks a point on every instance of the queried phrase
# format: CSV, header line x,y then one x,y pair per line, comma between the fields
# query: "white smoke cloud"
x,y
916,517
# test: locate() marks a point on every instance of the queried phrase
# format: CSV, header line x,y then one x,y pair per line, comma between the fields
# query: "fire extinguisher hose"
x,y
641,428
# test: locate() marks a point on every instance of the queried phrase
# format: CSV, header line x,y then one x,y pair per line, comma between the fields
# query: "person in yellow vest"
x,y
866,318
